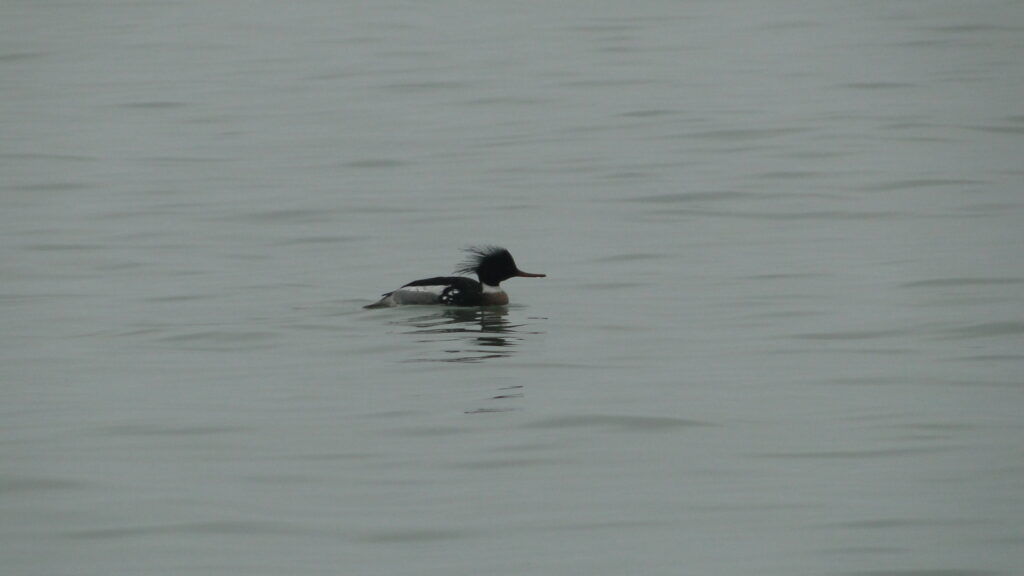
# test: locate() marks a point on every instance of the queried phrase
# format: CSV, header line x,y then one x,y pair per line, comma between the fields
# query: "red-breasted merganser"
x,y
491,264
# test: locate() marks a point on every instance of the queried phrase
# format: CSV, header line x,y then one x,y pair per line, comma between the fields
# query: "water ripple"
x,y
936,572
145,429
852,454
851,215
212,528
376,163
747,134
911,183
849,335
610,421
988,329
11,485
878,85
962,281
696,197
413,535
219,340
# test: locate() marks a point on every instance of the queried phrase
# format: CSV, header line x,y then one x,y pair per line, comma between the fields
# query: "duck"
x,y
492,265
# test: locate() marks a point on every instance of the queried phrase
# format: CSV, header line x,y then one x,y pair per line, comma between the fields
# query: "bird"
x,y
491,264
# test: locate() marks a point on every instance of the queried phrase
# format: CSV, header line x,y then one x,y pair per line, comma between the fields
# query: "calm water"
x,y
782,331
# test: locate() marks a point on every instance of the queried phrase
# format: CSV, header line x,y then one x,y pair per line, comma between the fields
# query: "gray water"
x,y
781,331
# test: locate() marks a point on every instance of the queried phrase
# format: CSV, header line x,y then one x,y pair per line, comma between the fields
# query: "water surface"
x,y
781,331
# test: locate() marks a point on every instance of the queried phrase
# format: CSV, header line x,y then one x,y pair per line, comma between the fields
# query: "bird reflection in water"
x,y
468,334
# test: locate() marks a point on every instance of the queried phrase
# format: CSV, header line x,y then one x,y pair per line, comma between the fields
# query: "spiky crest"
x,y
478,255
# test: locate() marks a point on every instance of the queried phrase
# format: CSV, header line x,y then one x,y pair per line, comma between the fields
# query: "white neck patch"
x,y
488,289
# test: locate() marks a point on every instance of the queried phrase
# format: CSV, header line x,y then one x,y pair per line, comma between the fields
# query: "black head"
x,y
492,264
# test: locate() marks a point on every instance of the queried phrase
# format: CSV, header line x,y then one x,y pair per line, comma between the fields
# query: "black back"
x,y
458,291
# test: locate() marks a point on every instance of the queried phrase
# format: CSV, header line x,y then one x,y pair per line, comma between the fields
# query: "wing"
x,y
447,290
